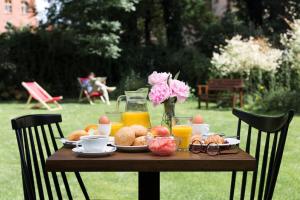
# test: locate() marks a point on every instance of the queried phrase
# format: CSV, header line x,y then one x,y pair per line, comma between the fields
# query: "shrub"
x,y
282,100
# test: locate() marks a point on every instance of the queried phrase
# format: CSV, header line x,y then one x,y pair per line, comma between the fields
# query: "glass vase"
x,y
169,113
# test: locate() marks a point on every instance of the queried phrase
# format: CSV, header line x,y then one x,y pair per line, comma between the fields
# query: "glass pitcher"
x,y
136,111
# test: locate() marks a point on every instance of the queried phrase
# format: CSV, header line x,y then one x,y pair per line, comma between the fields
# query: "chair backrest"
x,y
36,139
81,80
36,91
225,84
268,142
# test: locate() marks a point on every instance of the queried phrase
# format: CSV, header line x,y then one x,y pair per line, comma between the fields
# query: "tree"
x,y
98,30
173,22
269,15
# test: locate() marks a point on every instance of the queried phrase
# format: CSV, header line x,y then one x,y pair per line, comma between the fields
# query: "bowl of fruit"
x,y
161,143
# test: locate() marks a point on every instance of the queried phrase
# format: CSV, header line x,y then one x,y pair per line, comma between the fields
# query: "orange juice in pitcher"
x,y
141,118
136,111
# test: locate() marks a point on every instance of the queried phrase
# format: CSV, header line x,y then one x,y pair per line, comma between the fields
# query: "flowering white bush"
x,y
291,42
241,56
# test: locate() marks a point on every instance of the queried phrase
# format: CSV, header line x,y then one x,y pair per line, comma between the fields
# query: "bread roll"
x,y
75,135
139,130
214,139
196,139
125,136
140,141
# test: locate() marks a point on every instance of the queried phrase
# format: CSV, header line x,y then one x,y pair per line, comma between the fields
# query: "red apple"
x,y
160,131
198,119
104,120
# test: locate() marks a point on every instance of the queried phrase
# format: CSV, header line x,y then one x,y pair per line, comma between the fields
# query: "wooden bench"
x,y
217,89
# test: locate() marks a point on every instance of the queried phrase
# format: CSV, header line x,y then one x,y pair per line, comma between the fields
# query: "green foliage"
x,y
281,99
92,21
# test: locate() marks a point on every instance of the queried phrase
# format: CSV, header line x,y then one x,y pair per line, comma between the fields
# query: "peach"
x,y
198,119
104,120
160,131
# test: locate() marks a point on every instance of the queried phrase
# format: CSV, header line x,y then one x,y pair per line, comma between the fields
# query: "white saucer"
x,y
107,151
69,143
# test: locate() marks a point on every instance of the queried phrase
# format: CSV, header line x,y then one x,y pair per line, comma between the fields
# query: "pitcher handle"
x,y
120,98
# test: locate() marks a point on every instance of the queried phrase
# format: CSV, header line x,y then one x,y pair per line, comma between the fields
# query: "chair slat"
x,y
52,138
54,176
36,165
29,192
63,175
59,130
271,162
233,175
277,161
263,168
42,159
28,157
257,151
244,179
239,128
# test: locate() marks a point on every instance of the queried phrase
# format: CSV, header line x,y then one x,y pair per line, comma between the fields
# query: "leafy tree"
x,y
93,22
269,14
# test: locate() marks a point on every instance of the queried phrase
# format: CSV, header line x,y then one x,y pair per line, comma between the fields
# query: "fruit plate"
x,y
133,148
79,151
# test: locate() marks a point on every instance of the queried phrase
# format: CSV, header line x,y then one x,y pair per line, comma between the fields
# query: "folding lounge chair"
x,y
38,93
87,95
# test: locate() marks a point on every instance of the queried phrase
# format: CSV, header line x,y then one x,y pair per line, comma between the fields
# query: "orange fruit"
x,y
91,126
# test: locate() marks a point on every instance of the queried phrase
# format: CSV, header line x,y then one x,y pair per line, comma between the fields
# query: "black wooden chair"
x,y
33,133
272,130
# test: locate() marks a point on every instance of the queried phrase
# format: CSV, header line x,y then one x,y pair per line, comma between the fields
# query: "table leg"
x,y
149,185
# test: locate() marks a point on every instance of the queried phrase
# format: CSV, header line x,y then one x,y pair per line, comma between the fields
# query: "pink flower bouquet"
x,y
164,88
167,91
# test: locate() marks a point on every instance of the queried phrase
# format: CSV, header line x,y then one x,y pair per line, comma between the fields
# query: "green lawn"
x,y
124,185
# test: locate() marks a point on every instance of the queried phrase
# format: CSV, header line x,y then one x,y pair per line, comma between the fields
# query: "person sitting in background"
x,y
98,84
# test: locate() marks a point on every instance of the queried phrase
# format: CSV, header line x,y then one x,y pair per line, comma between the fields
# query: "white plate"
x,y
107,151
133,148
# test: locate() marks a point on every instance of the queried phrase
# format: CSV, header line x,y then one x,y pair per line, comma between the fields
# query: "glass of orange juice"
x,y
134,118
182,130
116,122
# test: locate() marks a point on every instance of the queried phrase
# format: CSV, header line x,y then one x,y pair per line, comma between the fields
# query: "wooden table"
x,y
149,166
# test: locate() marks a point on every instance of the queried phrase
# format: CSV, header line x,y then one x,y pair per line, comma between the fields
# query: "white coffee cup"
x,y
93,143
202,129
104,129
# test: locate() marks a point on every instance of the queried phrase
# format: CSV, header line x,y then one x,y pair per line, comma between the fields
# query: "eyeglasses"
x,y
212,149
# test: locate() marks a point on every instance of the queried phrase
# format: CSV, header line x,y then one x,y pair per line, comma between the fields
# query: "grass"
x,y
188,185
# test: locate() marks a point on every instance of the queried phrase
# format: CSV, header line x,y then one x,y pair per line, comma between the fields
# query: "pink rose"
x,y
159,93
180,90
158,78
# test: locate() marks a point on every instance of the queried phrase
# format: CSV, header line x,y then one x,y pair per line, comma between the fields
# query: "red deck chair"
x,y
83,91
38,93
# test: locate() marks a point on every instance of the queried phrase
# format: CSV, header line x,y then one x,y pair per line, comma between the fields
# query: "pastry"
x,y
196,139
75,135
140,141
214,139
139,130
125,136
